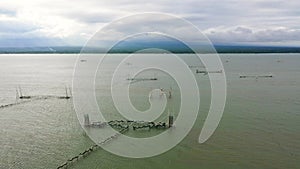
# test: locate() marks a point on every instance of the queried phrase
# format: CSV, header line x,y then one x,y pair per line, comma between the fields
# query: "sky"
x,y
72,22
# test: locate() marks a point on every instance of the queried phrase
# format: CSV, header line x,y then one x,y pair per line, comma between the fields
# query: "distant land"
x,y
129,49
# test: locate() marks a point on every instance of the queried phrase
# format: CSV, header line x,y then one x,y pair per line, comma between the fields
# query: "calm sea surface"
x,y
259,129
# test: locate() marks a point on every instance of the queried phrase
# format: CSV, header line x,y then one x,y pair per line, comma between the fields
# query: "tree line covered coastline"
x,y
131,49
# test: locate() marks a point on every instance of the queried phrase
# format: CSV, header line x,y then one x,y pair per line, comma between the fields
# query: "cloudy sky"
x,y
73,22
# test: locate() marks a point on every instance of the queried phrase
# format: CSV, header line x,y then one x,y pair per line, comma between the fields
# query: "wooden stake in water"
x,y
17,95
66,89
20,90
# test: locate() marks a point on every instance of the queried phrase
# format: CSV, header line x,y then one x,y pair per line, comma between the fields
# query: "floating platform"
x,y
206,72
133,80
256,76
130,124
25,97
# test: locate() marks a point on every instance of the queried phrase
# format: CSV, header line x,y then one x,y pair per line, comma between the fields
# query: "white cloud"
x,y
254,35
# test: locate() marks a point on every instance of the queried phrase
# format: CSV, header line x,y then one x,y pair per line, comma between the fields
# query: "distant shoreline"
x,y
174,49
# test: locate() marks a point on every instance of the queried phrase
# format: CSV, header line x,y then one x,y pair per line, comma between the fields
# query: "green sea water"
x,y
259,128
